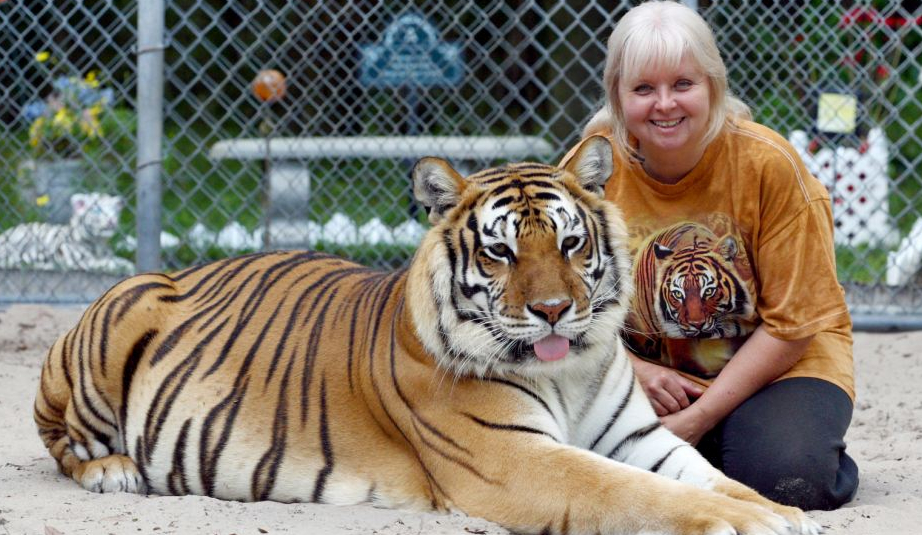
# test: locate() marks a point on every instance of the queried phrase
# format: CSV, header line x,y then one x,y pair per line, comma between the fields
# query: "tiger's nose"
x,y
550,311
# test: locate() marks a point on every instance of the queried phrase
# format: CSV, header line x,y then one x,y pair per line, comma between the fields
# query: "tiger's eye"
x,y
499,249
569,243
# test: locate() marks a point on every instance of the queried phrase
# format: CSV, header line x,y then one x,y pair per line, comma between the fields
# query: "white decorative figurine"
x,y
81,245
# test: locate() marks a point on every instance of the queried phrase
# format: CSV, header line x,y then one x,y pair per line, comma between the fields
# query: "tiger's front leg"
x,y
533,484
638,439
678,460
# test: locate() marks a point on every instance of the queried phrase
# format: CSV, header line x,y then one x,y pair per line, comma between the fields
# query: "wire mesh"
x,y
525,71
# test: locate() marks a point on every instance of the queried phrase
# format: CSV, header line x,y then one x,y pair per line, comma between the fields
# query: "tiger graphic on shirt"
x,y
694,302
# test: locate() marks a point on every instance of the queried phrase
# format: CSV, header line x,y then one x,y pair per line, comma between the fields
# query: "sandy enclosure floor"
x,y
884,438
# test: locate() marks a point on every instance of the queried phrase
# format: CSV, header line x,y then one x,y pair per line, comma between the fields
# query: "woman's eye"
x,y
684,84
643,89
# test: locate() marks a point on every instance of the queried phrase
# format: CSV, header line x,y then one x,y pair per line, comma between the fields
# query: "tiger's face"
x,y
701,295
527,266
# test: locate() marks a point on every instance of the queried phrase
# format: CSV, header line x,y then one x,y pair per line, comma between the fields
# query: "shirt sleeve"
x,y
800,294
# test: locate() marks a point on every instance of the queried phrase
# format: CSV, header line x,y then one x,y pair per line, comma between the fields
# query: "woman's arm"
x,y
762,359
667,390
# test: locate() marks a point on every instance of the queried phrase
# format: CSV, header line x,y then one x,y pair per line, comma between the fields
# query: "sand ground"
x,y
884,438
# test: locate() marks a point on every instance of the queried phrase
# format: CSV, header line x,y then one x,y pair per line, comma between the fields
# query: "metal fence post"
x,y
150,132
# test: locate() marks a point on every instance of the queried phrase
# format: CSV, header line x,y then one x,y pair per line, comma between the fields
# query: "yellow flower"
x,y
91,127
90,79
63,119
42,56
35,131
43,200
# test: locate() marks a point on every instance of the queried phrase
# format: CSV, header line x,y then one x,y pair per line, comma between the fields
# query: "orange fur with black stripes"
x,y
486,378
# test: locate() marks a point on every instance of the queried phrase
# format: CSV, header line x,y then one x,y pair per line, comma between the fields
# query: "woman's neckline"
x,y
687,180
671,178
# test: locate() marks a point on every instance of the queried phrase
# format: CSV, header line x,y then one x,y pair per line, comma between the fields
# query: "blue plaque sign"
x,y
410,53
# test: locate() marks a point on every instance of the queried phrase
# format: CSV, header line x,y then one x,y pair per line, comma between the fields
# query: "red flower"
x,y
814,146
799,38
853,60
882,72
858,15
895,22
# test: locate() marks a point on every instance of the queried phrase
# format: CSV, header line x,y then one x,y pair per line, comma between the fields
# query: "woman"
x,y
739,329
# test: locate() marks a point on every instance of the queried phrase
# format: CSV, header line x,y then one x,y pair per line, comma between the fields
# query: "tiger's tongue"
x,y
552,347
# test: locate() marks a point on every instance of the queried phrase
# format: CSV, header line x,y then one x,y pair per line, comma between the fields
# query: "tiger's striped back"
x,y
238,357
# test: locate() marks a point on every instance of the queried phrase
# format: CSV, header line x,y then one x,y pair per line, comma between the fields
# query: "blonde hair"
x,y
663,34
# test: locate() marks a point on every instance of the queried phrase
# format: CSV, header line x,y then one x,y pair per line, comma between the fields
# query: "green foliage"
x,y
861,264
17,209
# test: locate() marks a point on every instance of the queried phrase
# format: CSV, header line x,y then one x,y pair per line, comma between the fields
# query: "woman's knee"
x,y
797,458
808,482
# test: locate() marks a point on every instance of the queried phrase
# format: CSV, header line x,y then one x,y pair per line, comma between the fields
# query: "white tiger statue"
x,y
82,244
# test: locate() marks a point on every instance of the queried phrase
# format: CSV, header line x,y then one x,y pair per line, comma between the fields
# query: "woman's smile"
x,y
668,124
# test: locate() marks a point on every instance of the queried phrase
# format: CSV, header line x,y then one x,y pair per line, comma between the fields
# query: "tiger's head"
x,y
701,294
525,269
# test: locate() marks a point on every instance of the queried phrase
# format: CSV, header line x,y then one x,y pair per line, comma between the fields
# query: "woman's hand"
x,y
761,360
668,391
689,424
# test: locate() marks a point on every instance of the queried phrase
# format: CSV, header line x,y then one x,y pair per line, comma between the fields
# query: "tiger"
x,y
486,377
691,285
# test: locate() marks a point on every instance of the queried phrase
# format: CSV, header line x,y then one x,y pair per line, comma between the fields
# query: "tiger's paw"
x,y
720,515
802,524
113,473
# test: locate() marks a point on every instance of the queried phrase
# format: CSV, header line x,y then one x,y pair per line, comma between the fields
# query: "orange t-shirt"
x,y
744,239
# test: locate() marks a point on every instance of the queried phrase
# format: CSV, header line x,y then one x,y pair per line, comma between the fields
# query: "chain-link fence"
x,y
293,124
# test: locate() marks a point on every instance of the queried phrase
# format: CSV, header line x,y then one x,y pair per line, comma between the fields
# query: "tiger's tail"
x,y
77,422
51,405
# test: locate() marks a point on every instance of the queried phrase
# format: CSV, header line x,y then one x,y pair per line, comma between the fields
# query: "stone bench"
x,y
289,182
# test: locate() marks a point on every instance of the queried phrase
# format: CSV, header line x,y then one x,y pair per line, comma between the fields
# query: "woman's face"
x,y
667,110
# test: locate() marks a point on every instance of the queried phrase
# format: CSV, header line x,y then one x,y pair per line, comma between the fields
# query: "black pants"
x,y
787,442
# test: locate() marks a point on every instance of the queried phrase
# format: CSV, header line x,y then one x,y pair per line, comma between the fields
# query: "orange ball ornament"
x,y
269,85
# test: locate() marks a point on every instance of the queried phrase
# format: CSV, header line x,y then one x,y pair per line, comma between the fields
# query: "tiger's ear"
x,y
79,202
592,164
437,186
